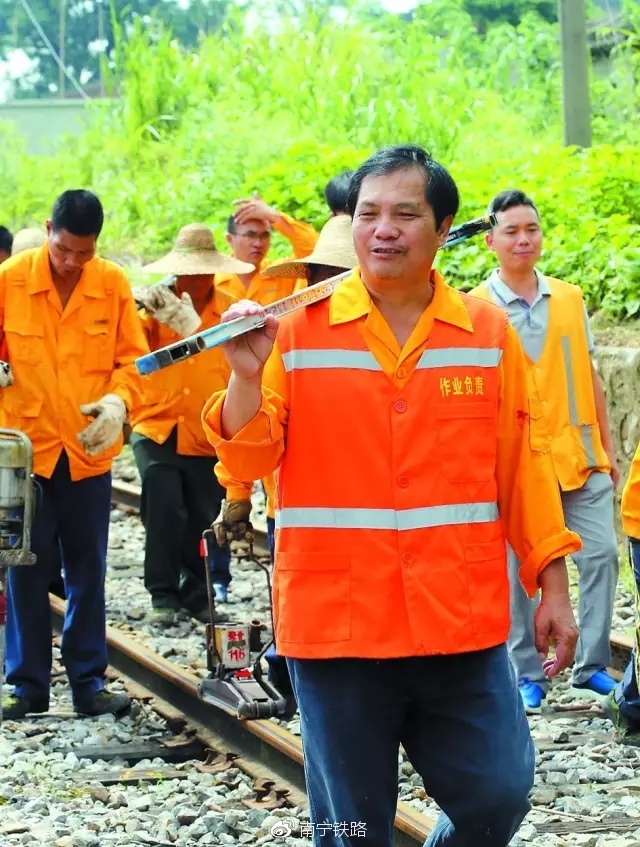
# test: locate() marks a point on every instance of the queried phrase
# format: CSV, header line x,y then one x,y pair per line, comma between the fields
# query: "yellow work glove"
x,y
109,414
6,374
175,312
233,522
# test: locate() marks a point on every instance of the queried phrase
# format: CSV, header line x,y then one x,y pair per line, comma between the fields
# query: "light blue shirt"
x,y
530,320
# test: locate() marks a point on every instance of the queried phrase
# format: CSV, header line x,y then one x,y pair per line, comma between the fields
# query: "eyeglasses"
x,y
250,235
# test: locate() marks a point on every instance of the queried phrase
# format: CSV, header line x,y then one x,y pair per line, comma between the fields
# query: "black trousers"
x,y
181,497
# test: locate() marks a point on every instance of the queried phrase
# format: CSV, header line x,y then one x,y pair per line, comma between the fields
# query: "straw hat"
x,y
333,248
193,253
27,239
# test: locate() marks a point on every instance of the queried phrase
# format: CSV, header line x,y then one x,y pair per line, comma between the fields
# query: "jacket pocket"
x,y
25,343
538,435
313,598
467,441
98,352
488,586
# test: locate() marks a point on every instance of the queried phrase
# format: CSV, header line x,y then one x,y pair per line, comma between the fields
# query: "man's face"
x,y
394,228
69,253
4,256
251,242
517,238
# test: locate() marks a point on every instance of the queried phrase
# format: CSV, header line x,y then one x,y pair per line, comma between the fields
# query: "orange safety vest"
x,y
404,548
560,386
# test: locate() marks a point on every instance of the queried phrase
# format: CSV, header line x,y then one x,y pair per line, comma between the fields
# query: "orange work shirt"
x,y
62,359
174,397
402,472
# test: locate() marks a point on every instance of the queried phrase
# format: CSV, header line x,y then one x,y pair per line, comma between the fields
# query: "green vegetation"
x,y
282,111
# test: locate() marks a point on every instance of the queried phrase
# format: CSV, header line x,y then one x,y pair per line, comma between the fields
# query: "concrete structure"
x,y
42,122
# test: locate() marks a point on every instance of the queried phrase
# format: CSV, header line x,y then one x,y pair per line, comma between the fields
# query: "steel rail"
x,y
263,741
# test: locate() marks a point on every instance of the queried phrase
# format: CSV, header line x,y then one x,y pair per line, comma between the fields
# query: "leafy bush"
x,y
282,111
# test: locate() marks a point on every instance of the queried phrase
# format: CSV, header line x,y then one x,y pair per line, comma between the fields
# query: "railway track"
x,y
263,749
268,749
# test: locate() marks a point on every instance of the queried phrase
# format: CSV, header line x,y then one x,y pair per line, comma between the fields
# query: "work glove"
x,y
233,522
175,312
6,374
109,414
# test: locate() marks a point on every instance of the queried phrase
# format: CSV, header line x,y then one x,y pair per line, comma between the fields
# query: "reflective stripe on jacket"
x,y
562,401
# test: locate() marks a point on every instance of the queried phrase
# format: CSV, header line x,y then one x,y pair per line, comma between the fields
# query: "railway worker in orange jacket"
x,y
180,493
72,334
396,414
623,703
570,422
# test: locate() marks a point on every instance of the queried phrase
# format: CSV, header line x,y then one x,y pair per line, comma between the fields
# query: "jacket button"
x,y
180,418
400,406
187,391
403,482
407,558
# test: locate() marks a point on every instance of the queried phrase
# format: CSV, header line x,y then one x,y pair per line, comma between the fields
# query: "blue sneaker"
x,y
220,592
598,687
532,696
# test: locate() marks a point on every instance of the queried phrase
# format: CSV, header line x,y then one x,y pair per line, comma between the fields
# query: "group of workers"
x,y
429,457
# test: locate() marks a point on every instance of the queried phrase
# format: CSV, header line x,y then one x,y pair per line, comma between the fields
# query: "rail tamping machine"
x,y
17,503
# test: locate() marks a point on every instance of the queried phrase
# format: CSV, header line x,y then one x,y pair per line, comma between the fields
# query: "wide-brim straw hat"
x,y
194,253
27,239
334,248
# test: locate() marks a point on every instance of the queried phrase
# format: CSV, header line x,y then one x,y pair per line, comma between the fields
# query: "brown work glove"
x,y
233,522
175,312
6,374
109,414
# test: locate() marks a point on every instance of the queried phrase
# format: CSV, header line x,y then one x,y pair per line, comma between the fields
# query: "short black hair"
x,y
441,192
6,240
336,192
231,225
79,212
510,198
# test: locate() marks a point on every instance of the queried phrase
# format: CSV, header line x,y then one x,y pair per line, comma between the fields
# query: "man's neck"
x,y
401,305
524,283
246,279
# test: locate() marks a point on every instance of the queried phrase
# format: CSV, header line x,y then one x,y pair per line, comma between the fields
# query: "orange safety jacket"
x,y
390,538
562,402
630,505
174,397
64,358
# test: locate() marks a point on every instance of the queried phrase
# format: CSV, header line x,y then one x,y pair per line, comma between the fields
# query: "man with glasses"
x,y
249,232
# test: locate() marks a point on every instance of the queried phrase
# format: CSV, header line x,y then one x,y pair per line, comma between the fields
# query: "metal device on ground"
x,y
214,336
237,683
16,514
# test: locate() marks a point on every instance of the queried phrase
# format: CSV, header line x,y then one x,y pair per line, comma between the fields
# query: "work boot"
x,y
103,703
625,731
15,708
164,616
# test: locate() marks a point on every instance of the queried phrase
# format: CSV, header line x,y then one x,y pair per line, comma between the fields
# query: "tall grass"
x,y
282,111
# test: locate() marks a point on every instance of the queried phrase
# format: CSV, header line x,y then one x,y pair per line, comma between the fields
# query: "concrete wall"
x,y
43,122
619,369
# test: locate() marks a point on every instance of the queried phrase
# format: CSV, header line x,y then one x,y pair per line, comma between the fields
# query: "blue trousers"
x,y
77,515
626,692
461,722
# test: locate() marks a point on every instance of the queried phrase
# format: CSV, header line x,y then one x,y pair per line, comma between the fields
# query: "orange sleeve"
x,y
236,490
131,343
257,449
630,506
302,235
528,492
